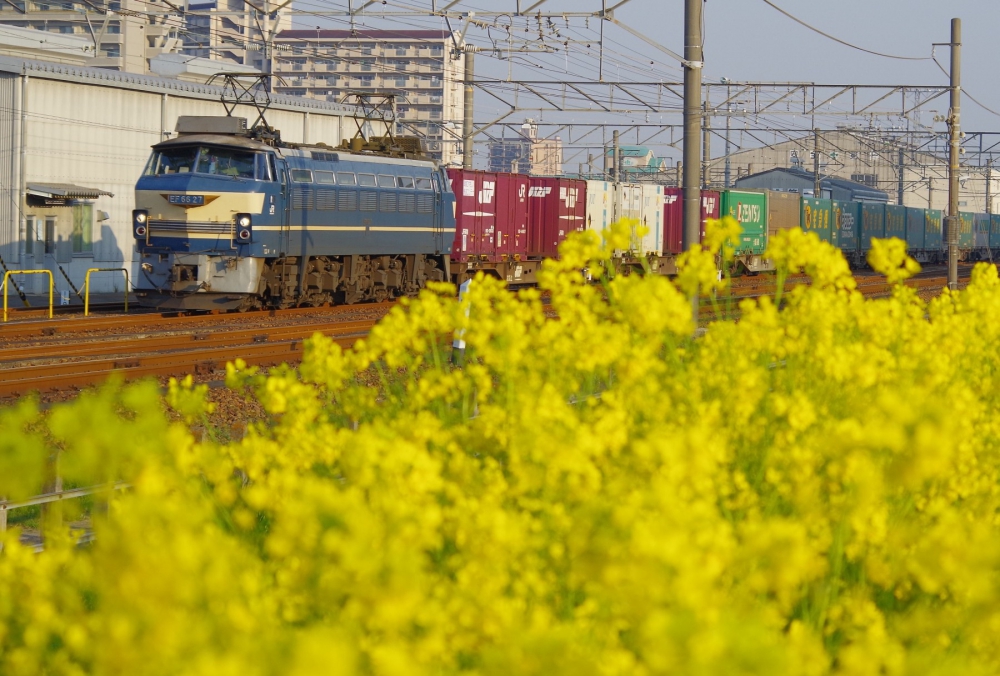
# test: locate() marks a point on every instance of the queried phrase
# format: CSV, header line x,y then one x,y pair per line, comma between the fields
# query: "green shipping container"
x,y
915,227
750,209
933,230
965,223
981,231
846,224
872,223
816,216
995,231
895,221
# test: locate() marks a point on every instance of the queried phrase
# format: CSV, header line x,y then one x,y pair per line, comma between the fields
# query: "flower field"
x,y
813,489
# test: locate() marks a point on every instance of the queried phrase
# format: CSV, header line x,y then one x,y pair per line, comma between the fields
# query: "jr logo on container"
x,y
486,194
569,196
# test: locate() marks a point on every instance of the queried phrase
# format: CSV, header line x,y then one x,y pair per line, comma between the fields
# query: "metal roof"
x,y
151,83
364,34
213,139
67,190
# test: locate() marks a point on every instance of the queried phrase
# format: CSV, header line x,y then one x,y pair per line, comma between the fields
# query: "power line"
x,y
847,44
965,91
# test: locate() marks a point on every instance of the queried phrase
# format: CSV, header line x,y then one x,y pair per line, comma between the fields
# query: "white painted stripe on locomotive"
x,y
347,228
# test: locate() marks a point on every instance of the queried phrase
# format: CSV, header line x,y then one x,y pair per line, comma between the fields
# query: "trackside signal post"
x,y
693,61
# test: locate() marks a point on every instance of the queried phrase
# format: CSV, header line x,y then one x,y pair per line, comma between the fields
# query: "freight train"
x,y
511,237
227,219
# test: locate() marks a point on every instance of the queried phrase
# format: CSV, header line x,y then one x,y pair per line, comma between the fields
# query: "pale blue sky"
x,y
745,40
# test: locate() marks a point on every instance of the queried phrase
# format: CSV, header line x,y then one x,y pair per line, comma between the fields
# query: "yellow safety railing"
x,y
7,275
86,287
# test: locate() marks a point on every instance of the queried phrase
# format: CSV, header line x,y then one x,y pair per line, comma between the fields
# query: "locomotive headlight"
x,y
139,219
244,228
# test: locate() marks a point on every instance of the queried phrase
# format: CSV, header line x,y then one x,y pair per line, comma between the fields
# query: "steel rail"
x,y
167,319
66,375
105,345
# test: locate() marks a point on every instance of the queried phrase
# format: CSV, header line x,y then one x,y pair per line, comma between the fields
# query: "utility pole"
x,y
729,113
706,151
616,157
899,187
954,127
817,187
467,125
989,180
693,62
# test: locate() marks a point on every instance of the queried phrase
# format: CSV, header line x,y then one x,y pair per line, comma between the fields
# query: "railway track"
x,y
72,351
64,354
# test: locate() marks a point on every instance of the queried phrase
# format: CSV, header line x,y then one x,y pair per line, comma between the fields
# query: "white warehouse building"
x,y
73,142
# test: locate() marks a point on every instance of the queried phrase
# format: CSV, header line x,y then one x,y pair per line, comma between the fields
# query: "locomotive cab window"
x,y
405,181
325,177
302,176
367,180
346,178
202,160
386,181
264,172
423,183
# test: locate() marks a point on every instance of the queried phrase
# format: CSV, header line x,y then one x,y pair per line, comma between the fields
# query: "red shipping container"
x,y
512,215
673,216
475,214
556,206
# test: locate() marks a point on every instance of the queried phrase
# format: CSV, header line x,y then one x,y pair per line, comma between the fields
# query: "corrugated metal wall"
x,y
9,182
100,137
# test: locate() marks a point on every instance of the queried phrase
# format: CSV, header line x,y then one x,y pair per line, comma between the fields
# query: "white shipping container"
x,y
600,206
650,216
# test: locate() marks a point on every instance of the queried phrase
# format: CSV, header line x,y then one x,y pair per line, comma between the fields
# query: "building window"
x,y
32,233
113,51
871,180
366,65
82,235
401,50
366,50
50,234
367,80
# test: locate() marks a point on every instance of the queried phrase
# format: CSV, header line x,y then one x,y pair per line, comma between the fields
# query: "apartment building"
x,y
116,34
420,66
527,154
131,35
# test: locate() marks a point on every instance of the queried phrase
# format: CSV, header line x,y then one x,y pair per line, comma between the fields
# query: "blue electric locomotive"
x,y
229,219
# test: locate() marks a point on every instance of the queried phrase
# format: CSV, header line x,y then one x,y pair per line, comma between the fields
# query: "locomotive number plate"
x,y
187,200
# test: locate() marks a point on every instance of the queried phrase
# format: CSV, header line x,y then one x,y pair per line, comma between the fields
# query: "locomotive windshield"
x,y
202,160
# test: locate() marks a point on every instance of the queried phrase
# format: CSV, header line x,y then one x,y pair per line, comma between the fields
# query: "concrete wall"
x,y
96,130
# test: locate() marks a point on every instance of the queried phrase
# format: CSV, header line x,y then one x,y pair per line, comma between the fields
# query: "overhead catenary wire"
x,y
965,91
844,42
